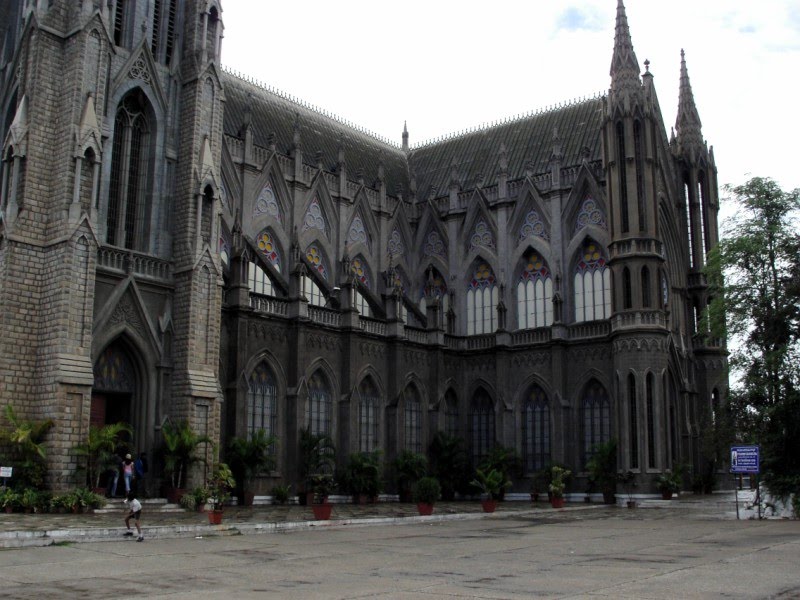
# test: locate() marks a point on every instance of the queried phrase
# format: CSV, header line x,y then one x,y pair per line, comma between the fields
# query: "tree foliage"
x,y
754,279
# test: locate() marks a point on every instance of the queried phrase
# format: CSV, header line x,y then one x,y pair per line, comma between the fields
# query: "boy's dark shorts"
x,y
136,515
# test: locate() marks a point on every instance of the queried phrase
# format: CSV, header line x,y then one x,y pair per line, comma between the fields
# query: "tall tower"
x,y
109,282
639,329
699,199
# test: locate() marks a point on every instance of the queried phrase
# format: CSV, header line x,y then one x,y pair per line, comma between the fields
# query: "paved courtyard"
x,y
597,552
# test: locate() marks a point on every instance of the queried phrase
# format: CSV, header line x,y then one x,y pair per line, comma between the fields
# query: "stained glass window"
x,y
532,226
262,401
315,218
359,269
320,402
481,426
434,245
317,260
114,372
481,236
357,234
267,204
266,244
396,245
596,418
412,419
536,430
592,284
589,214
535,294
367,416
482,299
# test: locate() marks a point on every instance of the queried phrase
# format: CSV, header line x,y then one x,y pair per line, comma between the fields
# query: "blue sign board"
x,y
745,459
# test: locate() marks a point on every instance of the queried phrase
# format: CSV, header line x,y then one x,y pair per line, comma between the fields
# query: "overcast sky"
x,y
444,66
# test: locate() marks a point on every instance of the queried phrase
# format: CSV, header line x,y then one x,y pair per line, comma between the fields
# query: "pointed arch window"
x,y
482,299
412,421
646,297
634,422
638,149
435,287
262,401
269,249
258,281
536,430
627,289
320,403
121,20
357,234
592,282
481,236
396,247
481,425
128,213
434,245
622,167
368,416
313,292
596,410
451,413
651,421
534,294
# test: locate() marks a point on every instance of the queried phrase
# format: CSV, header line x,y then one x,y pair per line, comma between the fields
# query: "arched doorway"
x,y
114,387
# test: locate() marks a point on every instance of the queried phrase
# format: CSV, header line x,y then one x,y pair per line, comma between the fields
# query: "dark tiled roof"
x,y
272,113
527,140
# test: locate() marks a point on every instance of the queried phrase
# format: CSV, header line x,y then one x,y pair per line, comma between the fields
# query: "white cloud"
x,y
446,65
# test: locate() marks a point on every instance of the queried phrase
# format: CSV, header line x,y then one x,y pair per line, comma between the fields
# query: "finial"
x,y
647,65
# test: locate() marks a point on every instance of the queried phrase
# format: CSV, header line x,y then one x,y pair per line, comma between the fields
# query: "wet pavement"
x,y
165,521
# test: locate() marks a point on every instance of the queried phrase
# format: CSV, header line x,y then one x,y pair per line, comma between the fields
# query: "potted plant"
x,y
503,459
628,481
668,484
321,485
449,464
408,467
24,440
317,456
602,468
28,499
558,482
9,500
219,488
362,476
196,499
426,492
249,458
491,484
539,483
280,494
98,452
179,450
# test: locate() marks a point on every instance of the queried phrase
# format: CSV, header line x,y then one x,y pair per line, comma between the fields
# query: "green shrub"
x,y
280,494
427,490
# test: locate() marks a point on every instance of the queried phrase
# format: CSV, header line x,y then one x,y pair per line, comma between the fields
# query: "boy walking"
x,y
134,512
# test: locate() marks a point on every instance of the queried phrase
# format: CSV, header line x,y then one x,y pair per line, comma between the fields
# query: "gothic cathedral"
x,y
179,243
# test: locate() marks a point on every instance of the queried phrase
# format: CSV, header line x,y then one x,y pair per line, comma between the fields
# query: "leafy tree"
x,y
754,277
179,450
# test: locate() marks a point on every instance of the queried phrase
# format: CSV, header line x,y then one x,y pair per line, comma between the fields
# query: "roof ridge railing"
x,y
506,120
308,106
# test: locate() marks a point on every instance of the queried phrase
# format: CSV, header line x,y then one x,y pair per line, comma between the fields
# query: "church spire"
x,y
687,124
405,136
624,66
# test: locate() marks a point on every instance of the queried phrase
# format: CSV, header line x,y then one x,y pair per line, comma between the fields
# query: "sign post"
x,y
746,459
5,473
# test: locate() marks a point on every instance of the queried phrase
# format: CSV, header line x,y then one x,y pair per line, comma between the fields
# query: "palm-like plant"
x,y
249,457
98,450
26,438
317,454
449,464
492,483
180,445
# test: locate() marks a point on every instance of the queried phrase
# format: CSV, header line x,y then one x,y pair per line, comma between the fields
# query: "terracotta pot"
x,y
424,509
666,494
557,501
489,505
322,512
215,517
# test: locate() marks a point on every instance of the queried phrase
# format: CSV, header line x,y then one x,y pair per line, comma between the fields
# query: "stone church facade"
x,y
179,242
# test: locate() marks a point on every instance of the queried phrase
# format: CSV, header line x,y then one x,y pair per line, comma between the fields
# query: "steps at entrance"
x,y
160,505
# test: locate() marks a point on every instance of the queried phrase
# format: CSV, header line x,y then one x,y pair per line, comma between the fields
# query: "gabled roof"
x,y
274,113
528,140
